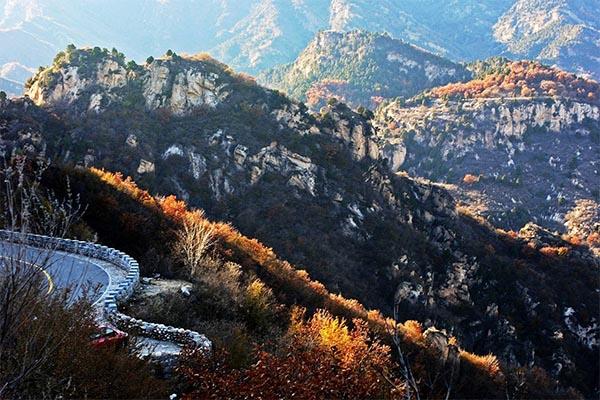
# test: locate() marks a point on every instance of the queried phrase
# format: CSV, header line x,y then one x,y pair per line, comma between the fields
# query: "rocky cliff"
x,y
520,158
93,80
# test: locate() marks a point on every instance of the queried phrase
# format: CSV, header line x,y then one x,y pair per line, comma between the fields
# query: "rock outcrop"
x,y
181,92
92,82
508,145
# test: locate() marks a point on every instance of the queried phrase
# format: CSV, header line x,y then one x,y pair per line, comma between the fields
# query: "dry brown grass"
x,y
488,363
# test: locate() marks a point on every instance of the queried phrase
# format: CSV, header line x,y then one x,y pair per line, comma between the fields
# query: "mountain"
x,y
250,34
359,67
318,189
459,29
272,32
11,88
566,33
16,72
256,35
12,76
520,143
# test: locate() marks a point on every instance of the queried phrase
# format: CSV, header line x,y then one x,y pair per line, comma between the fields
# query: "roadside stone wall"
x,y
159,331
114,296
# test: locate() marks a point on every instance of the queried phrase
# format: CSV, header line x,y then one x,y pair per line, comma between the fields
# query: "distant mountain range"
x,y
564,32
361,68
256,35
12,76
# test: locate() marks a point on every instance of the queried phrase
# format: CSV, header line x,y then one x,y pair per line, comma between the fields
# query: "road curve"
x,y
63,271
81,265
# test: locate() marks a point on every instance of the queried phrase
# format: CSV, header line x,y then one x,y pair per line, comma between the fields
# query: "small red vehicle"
x,y
108,336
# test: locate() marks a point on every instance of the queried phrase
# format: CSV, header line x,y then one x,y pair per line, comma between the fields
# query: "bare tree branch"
x,y
194,240
28,336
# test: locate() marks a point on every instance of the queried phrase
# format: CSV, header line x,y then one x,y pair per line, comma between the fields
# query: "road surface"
x,y
61,271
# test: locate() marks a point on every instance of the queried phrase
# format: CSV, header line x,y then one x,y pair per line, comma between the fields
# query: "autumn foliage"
x,y
321,357
594,239
346,322
487,363
549,251
281,275
470,179
524,79
321,91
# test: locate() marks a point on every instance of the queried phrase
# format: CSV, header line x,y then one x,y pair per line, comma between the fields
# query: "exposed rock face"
x,y
507,145
132,141
95,103
353,130
300,170
110,74
165,84
68,87
588,335
240,154
182,92
173,150
239,168
540,237
145,167
483,123
394,152
583,221
69,84
156,84
197,163
439,341
456,290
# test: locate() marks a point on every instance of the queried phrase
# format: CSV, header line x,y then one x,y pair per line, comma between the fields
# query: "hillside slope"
x,y
522,142
566,33
359,67
459,29
318,190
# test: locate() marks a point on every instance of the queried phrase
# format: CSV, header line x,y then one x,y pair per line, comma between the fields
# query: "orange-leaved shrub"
x,y
523,79
554,251
322,357
287,284
487,363
470,179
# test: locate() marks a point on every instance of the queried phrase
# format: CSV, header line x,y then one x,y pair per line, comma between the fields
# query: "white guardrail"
x,y
113,296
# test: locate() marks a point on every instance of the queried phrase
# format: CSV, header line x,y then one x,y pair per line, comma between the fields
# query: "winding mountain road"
x,y
103,275
61,270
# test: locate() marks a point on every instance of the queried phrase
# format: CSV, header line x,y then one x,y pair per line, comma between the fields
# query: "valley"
x,y
190,126
302,199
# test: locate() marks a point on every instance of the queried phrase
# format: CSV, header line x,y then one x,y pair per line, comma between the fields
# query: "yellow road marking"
x,y
40,269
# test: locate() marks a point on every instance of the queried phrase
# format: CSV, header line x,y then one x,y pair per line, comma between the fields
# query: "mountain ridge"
x,y
254,155
365,66
234,32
